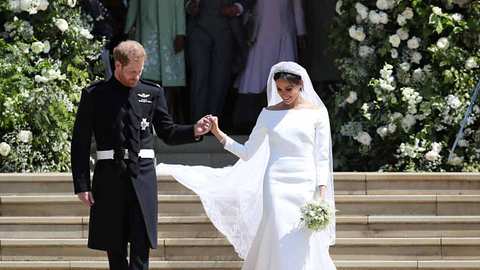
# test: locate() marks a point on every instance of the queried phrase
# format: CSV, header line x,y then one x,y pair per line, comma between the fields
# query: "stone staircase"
x,y
386,221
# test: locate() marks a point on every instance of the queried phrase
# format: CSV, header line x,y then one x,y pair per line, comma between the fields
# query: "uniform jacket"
x,y
120,118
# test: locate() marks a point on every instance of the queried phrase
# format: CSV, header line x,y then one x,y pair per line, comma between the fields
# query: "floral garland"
x,y
47,56
409,68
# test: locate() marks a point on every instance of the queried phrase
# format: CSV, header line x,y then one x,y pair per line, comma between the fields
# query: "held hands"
x,y
203,126
214,124
86,198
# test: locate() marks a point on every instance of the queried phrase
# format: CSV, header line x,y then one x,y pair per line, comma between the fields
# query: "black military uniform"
x,y
124,186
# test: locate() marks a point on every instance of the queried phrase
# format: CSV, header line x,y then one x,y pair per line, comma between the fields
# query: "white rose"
x,y
394,40
374,17
53,74
408,13
40,79
385,4
37,47
437,147
437,11
85,33
364,51
471,63
416,57
27,5
43,4
394,53
418,74
405,66
401,20
453,101
443,43
24,136
61,24
14,5
46,46
352,97
72,3
408,121
363,138
361,10
382,131
391,128
356,33
432,156
383,17
413,43
403,33
338,7
457,17
4,149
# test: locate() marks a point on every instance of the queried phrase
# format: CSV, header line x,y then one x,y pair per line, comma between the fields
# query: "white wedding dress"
x,y
297,156
256,203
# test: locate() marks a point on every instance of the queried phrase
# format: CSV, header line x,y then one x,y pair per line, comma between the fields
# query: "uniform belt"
x,y
108,154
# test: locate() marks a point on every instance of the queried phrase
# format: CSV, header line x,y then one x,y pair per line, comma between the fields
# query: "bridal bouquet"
x,y
316,215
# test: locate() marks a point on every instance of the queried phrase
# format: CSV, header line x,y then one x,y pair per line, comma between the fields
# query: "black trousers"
x,y
136,234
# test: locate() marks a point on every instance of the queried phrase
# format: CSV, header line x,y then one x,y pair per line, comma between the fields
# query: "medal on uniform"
x,y
144,124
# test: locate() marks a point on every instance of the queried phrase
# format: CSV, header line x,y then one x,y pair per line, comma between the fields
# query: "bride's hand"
x,y
322,190
213,123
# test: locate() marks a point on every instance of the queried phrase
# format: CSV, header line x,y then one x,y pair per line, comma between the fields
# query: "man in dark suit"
x,y
217,48
122,114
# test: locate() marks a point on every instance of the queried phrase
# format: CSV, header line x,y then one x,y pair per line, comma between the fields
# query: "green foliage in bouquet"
x,y
47,55
316,215
409,68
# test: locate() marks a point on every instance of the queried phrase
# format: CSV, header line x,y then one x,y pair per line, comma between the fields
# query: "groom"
x,y
122,114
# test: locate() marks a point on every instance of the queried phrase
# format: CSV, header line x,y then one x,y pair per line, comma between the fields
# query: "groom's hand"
x,y
86,198
203,126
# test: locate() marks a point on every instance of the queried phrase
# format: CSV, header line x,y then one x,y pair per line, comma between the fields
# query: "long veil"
x,y
233,196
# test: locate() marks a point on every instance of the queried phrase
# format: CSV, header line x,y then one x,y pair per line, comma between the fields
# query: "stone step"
x,y
345,183
188,205
200,227
218,249
225,265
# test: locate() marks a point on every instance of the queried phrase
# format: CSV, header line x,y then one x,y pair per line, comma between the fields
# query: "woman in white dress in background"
x,y
286,163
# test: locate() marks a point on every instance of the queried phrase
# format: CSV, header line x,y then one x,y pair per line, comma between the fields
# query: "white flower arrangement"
x,y
413,43
443,43
357,33
316,215
4,149
362,10
62,24
49,73
395,40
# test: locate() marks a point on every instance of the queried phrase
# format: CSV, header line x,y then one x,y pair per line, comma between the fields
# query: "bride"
x,y
286,163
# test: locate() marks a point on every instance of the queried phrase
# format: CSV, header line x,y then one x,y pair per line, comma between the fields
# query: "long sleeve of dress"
x,y
299,17
247,150
322,151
